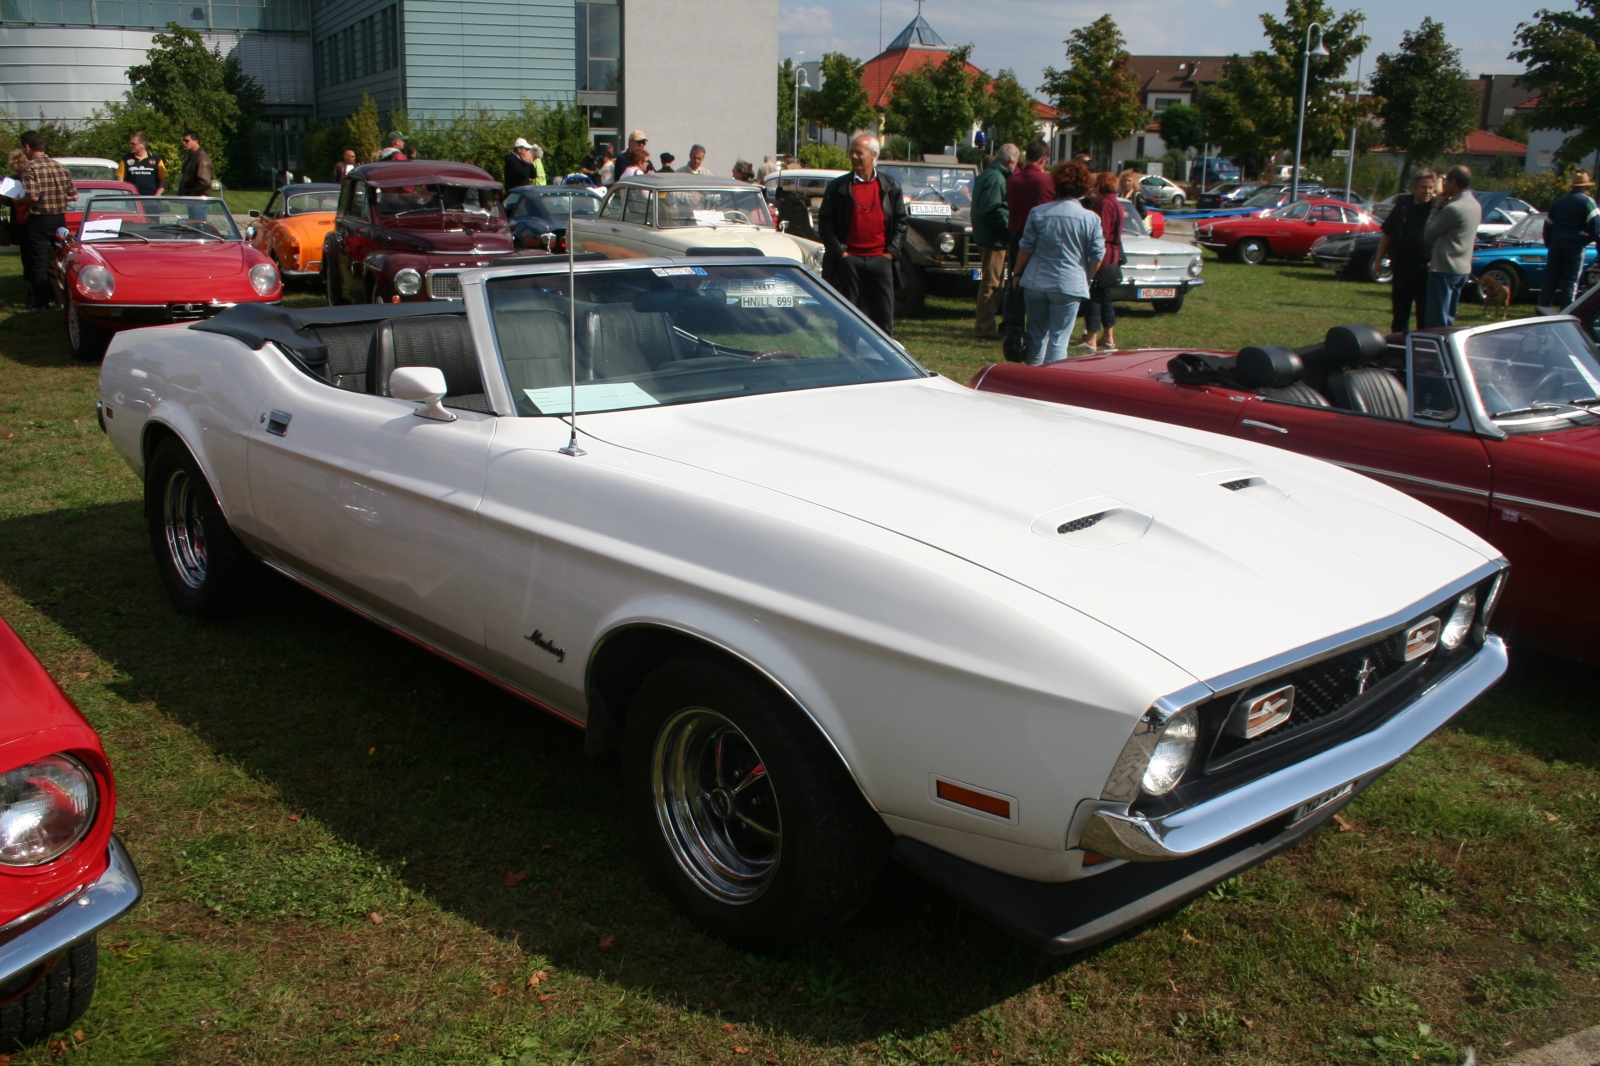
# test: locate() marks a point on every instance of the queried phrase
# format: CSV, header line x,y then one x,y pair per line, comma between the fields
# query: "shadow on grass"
x,y
424,765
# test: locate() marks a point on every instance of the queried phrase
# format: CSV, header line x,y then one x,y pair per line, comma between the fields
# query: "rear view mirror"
x,y
253,214
424,385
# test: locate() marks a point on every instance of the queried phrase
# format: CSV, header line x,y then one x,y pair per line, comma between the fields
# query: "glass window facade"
x,y
273,15
359,50
597,45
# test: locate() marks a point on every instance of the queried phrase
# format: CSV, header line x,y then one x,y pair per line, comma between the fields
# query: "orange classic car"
x,y
291,229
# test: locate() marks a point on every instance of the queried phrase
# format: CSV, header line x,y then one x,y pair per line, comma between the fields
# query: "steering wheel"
x,y
1549,377
737,217
774,353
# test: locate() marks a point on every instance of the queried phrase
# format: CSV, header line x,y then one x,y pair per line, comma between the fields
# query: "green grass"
x,y
327,820
241,201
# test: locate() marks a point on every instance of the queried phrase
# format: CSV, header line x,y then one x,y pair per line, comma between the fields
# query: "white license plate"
x,y
1312,806
977,273
765,299
1155,294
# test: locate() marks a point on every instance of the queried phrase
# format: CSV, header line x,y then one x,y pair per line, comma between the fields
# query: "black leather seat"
x,y
616,341
1358,385
442,341
1275,373
348,347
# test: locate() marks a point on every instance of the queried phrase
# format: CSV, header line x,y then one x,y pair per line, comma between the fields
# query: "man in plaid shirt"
x,y
49,191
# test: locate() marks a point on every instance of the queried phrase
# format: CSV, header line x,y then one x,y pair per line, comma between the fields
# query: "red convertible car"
x,y
87,189
405,231
146,260
1287,233
1496,425
63,876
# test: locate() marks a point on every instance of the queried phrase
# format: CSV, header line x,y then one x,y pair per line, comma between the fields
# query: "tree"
x,y
840,104
1182,127
1425,100
1562,52
361,130
1012,118
786,133
1252,110
1513,128
938,104
1098,95
187,83
242,142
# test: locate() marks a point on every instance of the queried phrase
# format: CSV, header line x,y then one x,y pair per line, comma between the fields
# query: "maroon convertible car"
x,y
1496,425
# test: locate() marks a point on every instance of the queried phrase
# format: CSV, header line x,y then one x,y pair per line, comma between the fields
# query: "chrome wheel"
x,y
715,805
1252,252
185,528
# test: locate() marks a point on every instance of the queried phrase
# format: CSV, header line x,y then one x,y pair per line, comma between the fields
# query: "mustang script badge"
x,y
1255,715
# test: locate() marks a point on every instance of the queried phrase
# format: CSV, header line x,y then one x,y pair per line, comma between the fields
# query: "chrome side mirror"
x,y
424,385
64,235
249,233
253,214
783,227
549,241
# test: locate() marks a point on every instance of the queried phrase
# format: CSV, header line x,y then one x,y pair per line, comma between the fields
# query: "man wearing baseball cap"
x,y
637,139
520,165
1570,225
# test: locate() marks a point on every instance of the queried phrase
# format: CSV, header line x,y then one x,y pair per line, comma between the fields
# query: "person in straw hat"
x,y
1572,222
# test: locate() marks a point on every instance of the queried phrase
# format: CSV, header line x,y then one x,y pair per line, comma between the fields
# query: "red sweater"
x,y
867,236
1026,189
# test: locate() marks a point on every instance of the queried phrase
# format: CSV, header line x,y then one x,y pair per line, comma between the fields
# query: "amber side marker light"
x,y
966,797
1094,858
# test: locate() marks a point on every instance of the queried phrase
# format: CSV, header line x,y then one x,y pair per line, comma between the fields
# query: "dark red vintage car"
x,y
1496,425
63,876
1287,232
148,260
405,231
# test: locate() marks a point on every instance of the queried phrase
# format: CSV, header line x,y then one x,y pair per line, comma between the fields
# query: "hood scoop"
x,y
1253,486
1098,522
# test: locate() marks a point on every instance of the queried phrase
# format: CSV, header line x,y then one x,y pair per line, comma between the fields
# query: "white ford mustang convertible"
x,y
1073,667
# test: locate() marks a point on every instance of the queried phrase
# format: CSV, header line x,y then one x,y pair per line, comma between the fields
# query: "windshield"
x,y
304,203
1132,224
1529,228
556,205
1530,371
953,185
92,171
436,199
682,208
1264,198
157,218
669,335
1297,210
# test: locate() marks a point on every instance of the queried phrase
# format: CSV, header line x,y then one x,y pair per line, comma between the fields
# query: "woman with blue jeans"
x,y
1060,251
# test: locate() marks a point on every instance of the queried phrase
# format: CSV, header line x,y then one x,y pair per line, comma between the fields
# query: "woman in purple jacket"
x,y
1098,313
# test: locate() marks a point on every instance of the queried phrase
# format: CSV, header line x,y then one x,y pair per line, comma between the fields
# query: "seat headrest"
x,y
1355,345
1268,367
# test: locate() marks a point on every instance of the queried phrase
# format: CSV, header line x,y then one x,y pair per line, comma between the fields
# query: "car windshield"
x,y
1297,210
685,208
1535,371
556,205
670,335
157,218
1264,198
1528,228
92,171
953,185
1132,224
436,199
304,203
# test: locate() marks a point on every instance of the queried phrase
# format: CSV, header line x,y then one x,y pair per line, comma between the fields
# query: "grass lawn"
x,y
355,853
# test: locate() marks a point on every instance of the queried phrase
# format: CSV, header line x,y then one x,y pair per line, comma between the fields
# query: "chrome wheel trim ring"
x,y
185,529
715,805
1253,253
74,327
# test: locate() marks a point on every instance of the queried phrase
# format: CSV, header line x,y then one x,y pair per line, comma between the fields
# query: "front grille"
x,y
194,312
444,286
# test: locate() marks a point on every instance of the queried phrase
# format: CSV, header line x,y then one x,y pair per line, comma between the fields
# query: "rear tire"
x,y
330,280
55,1000
1252,251
1381,273
87,341
1177,202
745,813
205,569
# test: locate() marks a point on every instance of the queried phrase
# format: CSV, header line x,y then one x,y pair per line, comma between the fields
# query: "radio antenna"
x,y
572,342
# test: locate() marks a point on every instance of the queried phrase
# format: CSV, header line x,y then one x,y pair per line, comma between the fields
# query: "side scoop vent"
x,y
1235,486
1100,522
1246,484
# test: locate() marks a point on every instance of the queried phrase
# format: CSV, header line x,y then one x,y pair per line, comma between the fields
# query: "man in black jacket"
x,y
862,224
1408,251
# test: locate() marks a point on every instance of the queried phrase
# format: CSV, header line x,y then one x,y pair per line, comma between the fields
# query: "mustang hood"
x,y
176,261
1211,577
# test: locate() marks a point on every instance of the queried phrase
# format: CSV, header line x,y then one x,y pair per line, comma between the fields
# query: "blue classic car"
x,y
1516,258
534,210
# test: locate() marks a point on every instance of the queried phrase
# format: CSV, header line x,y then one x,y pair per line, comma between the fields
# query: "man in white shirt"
x,y
697,162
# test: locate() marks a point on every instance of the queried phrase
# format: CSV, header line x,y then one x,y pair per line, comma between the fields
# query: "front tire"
x,y
1252,251
330,279
1177,202
1379,272
87,341
50,1002
205,569
746,814
1169,307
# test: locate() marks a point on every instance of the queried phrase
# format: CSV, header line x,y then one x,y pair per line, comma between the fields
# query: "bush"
x,y
824,157
1541,190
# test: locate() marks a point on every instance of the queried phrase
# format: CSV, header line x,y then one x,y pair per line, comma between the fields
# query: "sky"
x,y
1026,35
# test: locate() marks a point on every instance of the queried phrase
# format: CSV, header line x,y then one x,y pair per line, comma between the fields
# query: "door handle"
x,y
277,422
1262,425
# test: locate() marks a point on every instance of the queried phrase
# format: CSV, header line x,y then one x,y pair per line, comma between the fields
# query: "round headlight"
x,y
263,278
45,808
1196,265
947,243
1460,624
1174,748
408,282
817,255
96,279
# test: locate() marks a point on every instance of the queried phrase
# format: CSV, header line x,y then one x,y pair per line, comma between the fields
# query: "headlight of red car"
x,y
45,807
263,278
96,280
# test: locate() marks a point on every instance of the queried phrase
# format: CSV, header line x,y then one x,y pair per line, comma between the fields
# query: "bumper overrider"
x,y
1236,815
46,932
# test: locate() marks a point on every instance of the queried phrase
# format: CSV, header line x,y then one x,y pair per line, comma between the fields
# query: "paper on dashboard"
x,y
99,228
605,396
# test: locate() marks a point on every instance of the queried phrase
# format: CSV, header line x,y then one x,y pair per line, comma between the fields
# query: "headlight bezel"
x,y
264,278
1196,265
408,281
947,243
1177,739
71,766
97,281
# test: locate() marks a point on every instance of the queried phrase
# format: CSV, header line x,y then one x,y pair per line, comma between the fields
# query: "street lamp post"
x,y
1300,131
800,79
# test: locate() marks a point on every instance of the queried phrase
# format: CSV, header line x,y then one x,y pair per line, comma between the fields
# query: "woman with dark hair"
x,y
1100,314
1060,251
637,160
743,171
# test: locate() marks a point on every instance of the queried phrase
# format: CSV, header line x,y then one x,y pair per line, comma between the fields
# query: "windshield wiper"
x,y
192,229
95,239
1536,408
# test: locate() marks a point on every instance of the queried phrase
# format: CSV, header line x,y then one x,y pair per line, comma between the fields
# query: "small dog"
x,y
1495,295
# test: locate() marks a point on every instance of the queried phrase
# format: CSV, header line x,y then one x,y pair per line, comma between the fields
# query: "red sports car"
x,y
1287,232
1496,425
63,875
145,260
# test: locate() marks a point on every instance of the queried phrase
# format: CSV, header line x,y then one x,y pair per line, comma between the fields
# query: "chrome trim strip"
x,y
1123,783
1261,425
94,906
1210,823
1375,472
1549,506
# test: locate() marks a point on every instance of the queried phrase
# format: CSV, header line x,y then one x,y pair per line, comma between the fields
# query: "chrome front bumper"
x,y
1356,762
69,918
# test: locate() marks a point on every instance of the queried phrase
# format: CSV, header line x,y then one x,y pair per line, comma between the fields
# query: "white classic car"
x,y
651,215
1074,667
1155,270
1162,191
